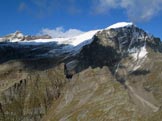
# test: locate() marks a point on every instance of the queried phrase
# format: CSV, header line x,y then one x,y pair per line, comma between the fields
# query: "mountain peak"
x,y
119,70
119,25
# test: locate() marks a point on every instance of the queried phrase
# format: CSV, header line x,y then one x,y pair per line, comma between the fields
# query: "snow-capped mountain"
x,y
124,35
74,41
73,44
107,74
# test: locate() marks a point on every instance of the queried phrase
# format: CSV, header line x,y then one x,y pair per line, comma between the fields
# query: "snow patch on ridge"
x,y
119,25
139,56
142,53
73,41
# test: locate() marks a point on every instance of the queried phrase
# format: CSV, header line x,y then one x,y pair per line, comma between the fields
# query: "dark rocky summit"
x,y
117,77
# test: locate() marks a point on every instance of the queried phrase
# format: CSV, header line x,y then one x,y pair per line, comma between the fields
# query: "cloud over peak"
x,y
137,10
60,32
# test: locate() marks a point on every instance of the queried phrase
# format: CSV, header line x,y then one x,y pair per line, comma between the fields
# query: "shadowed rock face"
x,y
117,77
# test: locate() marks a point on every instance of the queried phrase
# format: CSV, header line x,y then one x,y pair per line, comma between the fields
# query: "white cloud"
x,y
60,32
102,6
137,10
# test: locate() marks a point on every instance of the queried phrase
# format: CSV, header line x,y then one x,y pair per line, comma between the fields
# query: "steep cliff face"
x,y
114,77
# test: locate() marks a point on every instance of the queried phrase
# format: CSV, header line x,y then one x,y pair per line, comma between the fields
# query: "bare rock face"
x,y
26,95
117,77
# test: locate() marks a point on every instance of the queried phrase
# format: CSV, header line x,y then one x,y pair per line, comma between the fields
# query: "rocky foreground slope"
x,y
114,75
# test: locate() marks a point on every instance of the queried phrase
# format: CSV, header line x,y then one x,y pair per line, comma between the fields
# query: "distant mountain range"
x,y
18,36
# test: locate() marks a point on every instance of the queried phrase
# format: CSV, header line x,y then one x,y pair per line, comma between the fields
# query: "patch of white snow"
x,y
140,54
119,25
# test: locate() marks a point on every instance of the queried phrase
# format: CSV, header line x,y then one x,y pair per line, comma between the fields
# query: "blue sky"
x,y
35,16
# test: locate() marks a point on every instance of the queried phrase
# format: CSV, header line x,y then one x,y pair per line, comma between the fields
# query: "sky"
x,y
71,17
